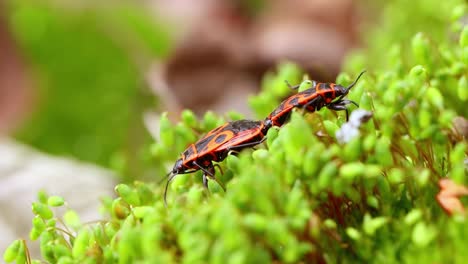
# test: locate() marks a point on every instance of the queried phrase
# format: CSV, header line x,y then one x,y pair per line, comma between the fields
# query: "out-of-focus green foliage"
x,y
85,65
304,197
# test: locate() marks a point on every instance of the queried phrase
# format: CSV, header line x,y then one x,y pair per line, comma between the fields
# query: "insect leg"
x,y
206,172
212,170
250,144
347,102
339,107
219,167
209,173
312,102
219,183
295,87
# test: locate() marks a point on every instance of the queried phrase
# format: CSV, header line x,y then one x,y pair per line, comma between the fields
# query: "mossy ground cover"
x,y
303,197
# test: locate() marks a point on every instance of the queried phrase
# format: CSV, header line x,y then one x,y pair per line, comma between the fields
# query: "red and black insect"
x,y
328,95
216,145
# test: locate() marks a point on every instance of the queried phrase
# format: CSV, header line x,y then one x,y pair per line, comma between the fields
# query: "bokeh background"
x,y
82,82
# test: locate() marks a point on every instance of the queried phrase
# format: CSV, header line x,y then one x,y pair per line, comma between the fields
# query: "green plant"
x,y
303,197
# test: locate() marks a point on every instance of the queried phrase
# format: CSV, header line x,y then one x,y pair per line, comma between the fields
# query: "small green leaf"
x,y
61,251
434,96
233,115
382,151
372,171
11,252
166,132
353,233
327,175
34,234
457,156
141,211
418,71
38,223
352,170
260,154
120,209
352,149
81,244
255,221
371,225
331,127
464,37
42,196
128,194
305,85
413,216
373,201
458,12
42,210
55,201
330,223
72,219
195,195
396,176
210,120
424,118
421,50
423,234
189,118
272,134
462,89
423,177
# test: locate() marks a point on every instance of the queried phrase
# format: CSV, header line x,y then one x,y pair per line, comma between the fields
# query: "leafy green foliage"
x,y
304,197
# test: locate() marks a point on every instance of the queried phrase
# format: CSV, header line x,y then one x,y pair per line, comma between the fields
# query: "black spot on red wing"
x,y
220,138
202,144
216,130
308,92
294,101
188,153
285,107
277,110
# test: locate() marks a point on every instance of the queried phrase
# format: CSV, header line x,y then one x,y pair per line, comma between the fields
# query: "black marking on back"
x,y
278,109
203,143
324,86
242,125
220,138
188,152
294,101
308,92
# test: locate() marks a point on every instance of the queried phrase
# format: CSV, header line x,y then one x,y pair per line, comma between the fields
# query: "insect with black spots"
x,y
321,95
216,145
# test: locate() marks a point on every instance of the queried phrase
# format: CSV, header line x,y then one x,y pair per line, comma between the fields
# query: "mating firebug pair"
x,y
237,135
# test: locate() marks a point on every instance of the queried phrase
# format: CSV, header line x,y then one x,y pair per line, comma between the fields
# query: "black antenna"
x,y
355,81
167,185
351,86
